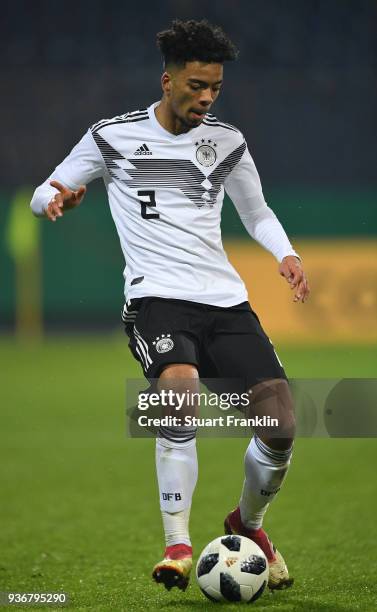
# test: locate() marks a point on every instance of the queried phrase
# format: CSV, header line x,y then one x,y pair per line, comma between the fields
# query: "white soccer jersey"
x,y
165,194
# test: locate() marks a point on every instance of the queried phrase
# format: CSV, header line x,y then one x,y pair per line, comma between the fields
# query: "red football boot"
x,y
278,574
174,569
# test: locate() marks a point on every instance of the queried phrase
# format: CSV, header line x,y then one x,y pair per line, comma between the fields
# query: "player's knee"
x,y
181,385
179,370
180,378
272,399
183,380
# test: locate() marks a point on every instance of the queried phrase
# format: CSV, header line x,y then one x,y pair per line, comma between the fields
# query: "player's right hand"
x,y
65,200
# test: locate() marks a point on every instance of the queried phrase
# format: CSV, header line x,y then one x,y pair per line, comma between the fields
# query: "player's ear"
x,y
166,82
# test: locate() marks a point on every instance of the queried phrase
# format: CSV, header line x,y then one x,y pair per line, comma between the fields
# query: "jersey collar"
x,y
158,127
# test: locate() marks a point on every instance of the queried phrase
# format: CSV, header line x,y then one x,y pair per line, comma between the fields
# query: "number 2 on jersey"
x,y
150,202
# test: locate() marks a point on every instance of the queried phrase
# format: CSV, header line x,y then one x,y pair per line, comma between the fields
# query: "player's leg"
x,y
268,455
241,349
164,336
177,471
266,463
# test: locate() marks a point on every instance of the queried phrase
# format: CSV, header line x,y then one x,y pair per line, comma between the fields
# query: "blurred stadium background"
x,y
304,94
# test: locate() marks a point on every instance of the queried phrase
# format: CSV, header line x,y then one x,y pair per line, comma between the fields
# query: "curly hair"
x,y
188,41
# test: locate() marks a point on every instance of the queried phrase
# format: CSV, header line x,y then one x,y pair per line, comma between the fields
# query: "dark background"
x,y
303,92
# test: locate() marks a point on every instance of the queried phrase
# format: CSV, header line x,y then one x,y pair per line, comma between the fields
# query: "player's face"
x,y
192,90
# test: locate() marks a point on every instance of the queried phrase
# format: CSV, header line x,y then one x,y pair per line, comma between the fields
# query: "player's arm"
x,y
244,188
66,187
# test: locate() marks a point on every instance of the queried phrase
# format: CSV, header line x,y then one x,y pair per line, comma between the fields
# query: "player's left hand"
x,y
292,270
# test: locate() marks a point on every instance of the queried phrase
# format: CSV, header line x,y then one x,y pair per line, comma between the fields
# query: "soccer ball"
x,y
232,568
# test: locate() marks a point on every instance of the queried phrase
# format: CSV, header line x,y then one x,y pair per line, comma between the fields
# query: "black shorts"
x,y
223,343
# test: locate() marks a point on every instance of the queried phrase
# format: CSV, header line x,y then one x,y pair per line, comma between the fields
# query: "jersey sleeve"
x,y
245,190
83,164
243,182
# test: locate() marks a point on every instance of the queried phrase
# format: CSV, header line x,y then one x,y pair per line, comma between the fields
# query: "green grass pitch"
x,y
79,508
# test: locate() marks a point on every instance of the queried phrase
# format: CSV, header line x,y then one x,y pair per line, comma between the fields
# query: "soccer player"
x,y
165,169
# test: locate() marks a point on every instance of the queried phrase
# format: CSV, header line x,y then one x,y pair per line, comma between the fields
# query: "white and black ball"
x,y
232,568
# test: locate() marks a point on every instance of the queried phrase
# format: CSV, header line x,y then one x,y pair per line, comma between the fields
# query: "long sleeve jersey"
x,y
166,193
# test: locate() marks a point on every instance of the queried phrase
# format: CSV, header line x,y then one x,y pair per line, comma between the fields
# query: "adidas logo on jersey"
x,y
143,150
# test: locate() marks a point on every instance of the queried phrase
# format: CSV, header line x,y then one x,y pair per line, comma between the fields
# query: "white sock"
x,y
176,527
265,469
177,474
